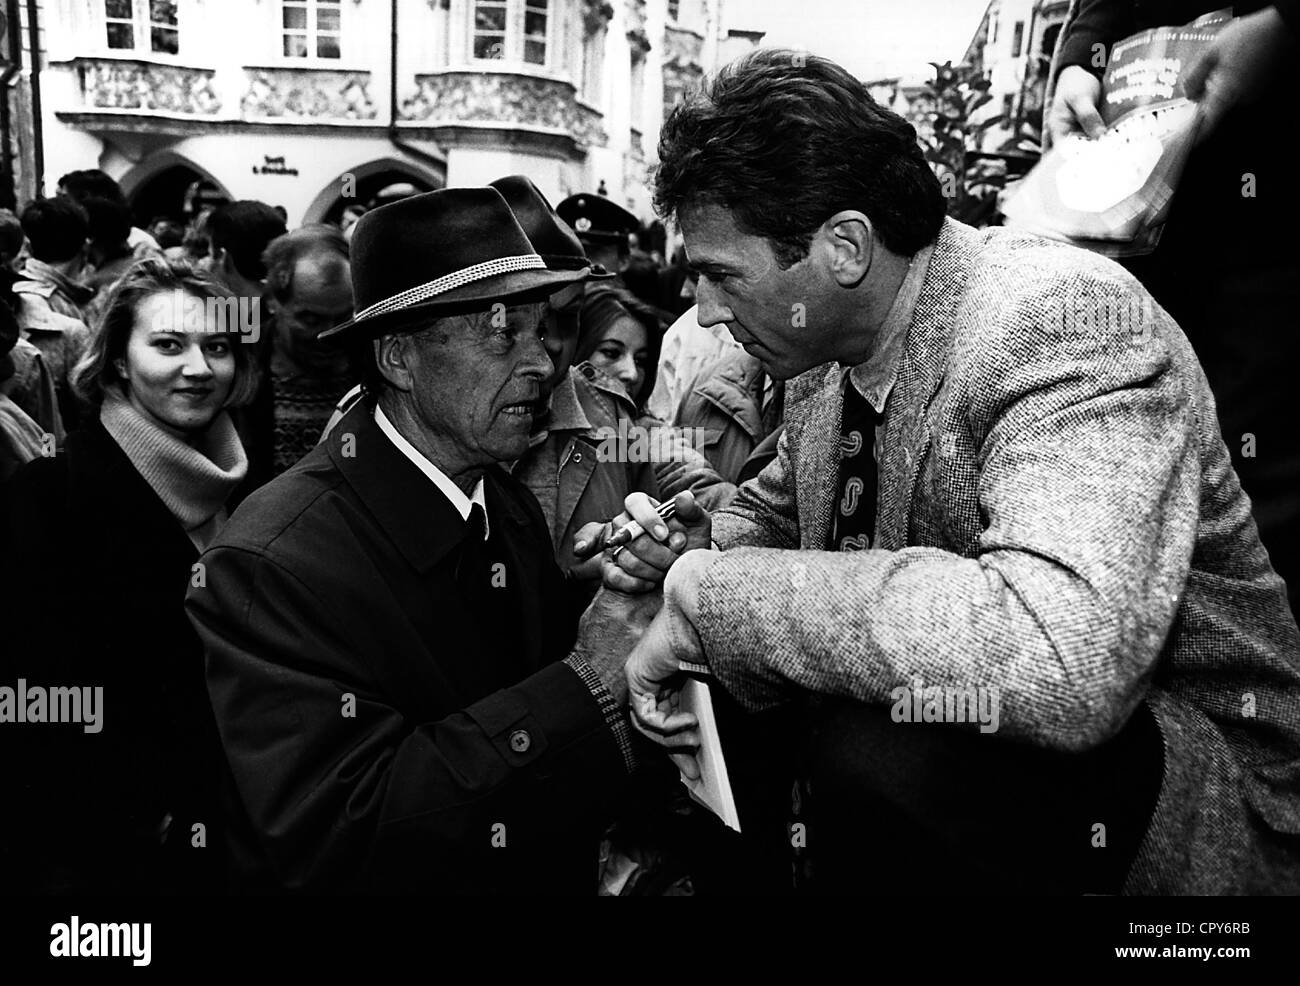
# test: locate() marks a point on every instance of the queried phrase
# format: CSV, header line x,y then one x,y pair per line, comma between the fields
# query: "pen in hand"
x,y
630,531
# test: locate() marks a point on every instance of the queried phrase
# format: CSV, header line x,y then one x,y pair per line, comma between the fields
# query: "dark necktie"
x,y
855,507
469,569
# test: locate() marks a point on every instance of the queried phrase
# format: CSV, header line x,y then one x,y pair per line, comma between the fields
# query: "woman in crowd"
x,y
621,336
101,543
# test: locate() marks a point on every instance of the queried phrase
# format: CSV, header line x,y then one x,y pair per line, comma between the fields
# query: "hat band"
x,y
448,282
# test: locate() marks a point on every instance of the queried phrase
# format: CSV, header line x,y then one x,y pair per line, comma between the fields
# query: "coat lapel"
x,y
908,429
393,489
817,468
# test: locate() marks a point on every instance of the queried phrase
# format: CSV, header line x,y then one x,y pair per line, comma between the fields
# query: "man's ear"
x,y
393,356
852,240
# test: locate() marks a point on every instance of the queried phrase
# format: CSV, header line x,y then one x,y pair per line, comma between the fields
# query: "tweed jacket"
x,y
1058,518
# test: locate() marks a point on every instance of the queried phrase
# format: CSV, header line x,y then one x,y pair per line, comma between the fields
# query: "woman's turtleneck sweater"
x,y
193,482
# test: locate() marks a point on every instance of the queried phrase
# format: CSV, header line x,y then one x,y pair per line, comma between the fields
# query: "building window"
x,y
490,29
674,9
535,31
128,22
311,28
511,30
1017,38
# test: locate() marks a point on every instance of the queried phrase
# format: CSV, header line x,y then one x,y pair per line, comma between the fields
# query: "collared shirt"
x,y
614,716
450,490
875,377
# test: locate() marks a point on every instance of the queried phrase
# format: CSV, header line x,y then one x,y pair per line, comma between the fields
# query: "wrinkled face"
x,y
321,297
475,394
563,313
177,379
623,353
781,317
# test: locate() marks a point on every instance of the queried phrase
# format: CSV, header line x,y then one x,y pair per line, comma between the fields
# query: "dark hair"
x,y
167,231
783,140
9,335
283,253
601,305
91,183
641,276
243,229
11,234
96,371
109,222
56,229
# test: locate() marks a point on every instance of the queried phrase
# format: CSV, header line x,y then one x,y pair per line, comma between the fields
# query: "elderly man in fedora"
x,y
567,465
407,699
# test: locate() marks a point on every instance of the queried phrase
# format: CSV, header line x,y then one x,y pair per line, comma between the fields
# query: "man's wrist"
x,y
611,706
682,584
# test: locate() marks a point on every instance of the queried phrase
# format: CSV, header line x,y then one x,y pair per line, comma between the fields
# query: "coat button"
x,y
577,456
520,741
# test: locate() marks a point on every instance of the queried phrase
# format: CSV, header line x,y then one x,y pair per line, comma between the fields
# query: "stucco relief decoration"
x,y
682,70
126,85
596,15
308,93
635,172
636,35
682,47
506,100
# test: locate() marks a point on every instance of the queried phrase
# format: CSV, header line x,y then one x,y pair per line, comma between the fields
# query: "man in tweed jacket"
x,y
1058,521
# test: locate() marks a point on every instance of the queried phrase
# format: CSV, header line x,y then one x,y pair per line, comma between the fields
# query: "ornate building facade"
x,y
310,104
1013,47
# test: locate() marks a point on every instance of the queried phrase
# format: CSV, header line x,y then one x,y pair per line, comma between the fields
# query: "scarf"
x,y
194,483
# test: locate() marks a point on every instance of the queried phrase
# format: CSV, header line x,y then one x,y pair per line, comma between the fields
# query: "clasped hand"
x,y
654,675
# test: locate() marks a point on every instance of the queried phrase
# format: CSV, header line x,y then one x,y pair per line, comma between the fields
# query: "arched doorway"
x,y
177,192
370,185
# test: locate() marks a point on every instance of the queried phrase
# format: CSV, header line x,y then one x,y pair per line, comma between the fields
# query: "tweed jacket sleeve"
x,y
1039,502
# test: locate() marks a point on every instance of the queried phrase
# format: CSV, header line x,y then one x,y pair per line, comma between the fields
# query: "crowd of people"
x,y
111,398
327,512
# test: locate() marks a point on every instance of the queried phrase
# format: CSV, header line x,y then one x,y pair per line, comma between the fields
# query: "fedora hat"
x,y
550,235
453,251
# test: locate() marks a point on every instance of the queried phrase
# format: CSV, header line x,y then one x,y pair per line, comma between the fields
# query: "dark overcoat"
x,y
391,723
95,572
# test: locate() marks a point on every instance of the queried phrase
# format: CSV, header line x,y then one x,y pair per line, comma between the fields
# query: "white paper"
x,y
713,789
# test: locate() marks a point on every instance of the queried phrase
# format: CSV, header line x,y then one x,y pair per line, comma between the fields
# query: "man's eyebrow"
x,y
700,266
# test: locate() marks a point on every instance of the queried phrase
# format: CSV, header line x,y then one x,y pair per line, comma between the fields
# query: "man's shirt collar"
x,y
450,490
874,379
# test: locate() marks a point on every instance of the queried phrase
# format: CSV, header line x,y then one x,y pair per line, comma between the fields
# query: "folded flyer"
x,y
1113,193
